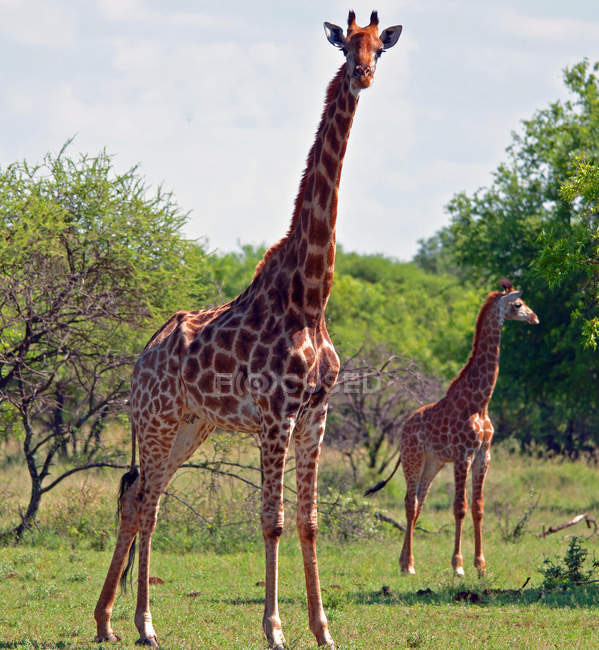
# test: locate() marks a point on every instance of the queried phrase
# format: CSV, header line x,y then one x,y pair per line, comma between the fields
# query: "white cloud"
x,y
37,23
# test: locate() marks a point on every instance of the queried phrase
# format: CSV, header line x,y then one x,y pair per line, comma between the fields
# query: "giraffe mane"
x,y
491,299
332,90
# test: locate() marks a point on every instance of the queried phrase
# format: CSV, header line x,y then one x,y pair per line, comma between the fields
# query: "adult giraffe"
x,y
457,429
261,364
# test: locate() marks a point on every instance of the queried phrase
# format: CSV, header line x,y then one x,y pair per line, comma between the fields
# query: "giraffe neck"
x,y
477,379
297,272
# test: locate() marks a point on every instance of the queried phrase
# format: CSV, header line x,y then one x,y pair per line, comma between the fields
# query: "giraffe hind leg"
x,y
412,463
126,538
157,469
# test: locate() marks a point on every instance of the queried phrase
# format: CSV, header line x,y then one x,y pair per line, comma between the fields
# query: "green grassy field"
x,y
213,598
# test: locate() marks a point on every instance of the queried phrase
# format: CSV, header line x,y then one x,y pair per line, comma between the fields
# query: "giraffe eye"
x,y
517,305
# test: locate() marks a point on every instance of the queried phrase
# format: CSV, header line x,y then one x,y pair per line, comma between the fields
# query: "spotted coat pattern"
x,y
457,429
262,364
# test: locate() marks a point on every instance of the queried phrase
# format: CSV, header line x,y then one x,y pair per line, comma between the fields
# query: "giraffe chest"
x,y
238,387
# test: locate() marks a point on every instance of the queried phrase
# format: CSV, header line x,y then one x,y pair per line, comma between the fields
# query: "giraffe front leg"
x,y
479,472
274,452
308,441
460,507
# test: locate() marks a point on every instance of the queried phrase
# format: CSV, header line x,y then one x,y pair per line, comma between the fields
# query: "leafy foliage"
x,y
88,260
571,571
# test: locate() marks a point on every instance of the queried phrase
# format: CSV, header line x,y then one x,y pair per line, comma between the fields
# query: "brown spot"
x,y
322,190
212,403
313,297
206,383
320,232
330,164
302,252
293,321
290,261
281,349
206,356
224,338
276,364
194,347
229,403
256,313
314,266
343,124
243,345
316,151
224,363
333,141
297,289
297,365
191,369
309,355
271,331
276,402
259,358
309,188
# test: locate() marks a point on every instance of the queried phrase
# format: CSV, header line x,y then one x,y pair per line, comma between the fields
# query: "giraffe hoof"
x,y
459,572
410,570
109,638
152,641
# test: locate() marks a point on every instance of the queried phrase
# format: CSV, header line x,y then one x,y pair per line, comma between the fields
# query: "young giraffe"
x,y
261,364
457,430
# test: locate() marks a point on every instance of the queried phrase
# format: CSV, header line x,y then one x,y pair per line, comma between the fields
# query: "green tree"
x,y
575,250
378,302
90,262
534,225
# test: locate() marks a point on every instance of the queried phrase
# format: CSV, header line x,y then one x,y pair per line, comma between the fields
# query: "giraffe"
x,y
457,429
261,364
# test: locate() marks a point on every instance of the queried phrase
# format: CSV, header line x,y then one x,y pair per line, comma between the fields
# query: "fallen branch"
x,y
554,529
381,517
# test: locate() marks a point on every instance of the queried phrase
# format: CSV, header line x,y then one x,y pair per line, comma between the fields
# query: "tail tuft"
x,y
376,488
381,484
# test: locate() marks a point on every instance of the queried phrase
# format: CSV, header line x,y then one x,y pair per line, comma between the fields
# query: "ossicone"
x,y
506,285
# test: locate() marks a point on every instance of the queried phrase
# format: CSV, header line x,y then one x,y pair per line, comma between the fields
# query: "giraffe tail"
x,y
127,480
381,484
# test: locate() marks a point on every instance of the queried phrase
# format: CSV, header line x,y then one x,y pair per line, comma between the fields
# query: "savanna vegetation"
x,y
91,263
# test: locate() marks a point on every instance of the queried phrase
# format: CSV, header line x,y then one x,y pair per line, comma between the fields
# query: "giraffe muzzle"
x,y
362,75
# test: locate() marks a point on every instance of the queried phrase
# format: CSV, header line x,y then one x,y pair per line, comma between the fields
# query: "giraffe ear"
x,y
334,35
511,296
390,36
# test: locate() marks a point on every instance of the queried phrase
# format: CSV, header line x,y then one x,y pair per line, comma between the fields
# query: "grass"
x,y
213,597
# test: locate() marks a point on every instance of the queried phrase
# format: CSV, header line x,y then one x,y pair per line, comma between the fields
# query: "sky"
x,y
219,102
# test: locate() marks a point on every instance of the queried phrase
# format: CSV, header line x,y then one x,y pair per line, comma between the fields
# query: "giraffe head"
x,y
362,47
512,307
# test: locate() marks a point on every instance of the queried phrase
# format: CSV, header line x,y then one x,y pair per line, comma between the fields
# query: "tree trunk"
x,y
32,508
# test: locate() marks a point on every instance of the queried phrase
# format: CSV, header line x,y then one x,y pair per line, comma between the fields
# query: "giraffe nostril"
x,y
361,70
